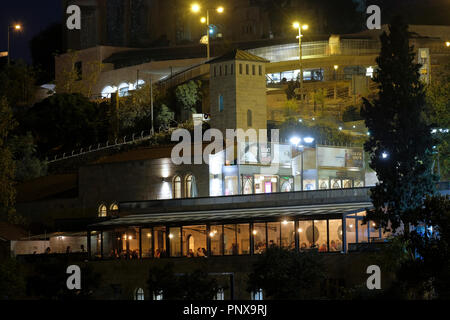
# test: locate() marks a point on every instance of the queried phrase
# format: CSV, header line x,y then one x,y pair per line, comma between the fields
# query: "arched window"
x,y
139,294
257,295
102,211
249,118
190,187
286,187
177,187
114,207
108,91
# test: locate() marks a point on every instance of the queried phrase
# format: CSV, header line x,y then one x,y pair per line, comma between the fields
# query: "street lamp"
x,y
300,27
196,8
17,27
447,44
336,67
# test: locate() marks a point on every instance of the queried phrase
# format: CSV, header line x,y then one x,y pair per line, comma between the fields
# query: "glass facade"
x,y
321,235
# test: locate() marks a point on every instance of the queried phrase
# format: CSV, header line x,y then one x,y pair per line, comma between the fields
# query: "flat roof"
x,y
229,215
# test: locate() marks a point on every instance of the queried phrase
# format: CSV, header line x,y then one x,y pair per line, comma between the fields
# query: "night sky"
x,y
34,15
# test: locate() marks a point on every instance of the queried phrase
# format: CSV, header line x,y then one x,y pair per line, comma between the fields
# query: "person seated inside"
x,y
157,254
333,246
190,253
303,246
205,253
200,252
323,248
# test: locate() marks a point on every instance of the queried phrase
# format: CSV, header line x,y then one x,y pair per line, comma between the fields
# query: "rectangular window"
x,y
288,235
215,234
231,69
194,241
215,71
335,229
146,242
259,237
221,107
305,234
320,235
229,239
362,231
226,70
240,68
159,238
247,69
350,231
175,242
273,234
243,238
253,69
220,70
260,70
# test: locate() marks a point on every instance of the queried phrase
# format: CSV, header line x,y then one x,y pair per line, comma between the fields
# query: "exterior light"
x,y
308,140
17,27
368,133
300,230
305,27
125,237
295,140
296,25
285,222
373,224
447,44
203,20
336,67
170,236
130,237
313,119
220,9
351,226
211,234
255,232
149,235
340,128
384,155
195,7
300,120
354,127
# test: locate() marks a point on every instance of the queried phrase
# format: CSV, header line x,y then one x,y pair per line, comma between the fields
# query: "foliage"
x,y
290,108
165,117
64,122
290,90
399,129
319,98
28,165
12,281
438,111
197,285
285,274
189,95
7,167
17,85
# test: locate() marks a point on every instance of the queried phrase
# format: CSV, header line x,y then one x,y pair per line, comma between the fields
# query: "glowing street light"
x,y
447,44
308,140
17,27
384,155
205,20
297,25
295,140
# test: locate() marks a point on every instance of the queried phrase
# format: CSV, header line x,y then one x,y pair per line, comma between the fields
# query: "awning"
x,y
211,216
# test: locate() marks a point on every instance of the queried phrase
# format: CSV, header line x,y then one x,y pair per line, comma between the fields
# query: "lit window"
x,y
190,187
221,107
158,296
220,295
240,68
247,69
114,207
102,211
124,89
249,118
253,69
260,70
257,295
177,187
108,91
139,294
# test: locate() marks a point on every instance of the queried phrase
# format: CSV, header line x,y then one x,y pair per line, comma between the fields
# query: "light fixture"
x,y
336,67
300,230
447,44
305,27
17,27
340,128
195,7
149,235
211,31
285,222
203,20
130,237
220,9
211,234
170,236
368,133
295,140
351,226
300,120
309,139
354,127
314,119
296,25
255,232
384,155
125,237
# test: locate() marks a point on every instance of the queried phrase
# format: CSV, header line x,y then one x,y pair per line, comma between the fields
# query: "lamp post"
x,y
298,26
336,67
16,27
196,8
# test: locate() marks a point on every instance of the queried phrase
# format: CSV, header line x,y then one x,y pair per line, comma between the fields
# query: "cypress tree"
x,y
400,142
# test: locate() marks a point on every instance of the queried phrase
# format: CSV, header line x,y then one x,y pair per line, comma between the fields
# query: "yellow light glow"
x,y
220,9
336,67
125,237
203,20
149,235
285,222
296,25
17,27
305,27
211,234
300,230
130,238
195,7
255,232
170,236
447,43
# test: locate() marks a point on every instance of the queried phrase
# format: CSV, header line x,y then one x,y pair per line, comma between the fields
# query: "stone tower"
x,y
238,92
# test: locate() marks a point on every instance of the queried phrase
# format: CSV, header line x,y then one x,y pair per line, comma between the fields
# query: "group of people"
x,y
201,252
126,254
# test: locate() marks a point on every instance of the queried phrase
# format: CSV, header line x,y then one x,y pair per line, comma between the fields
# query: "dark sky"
x,y
35,15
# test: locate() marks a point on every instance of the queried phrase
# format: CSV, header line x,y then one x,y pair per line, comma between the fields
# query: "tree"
x,y
7,167
189,95
400,142
12,281
28,165
165,117
286,274
64,122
